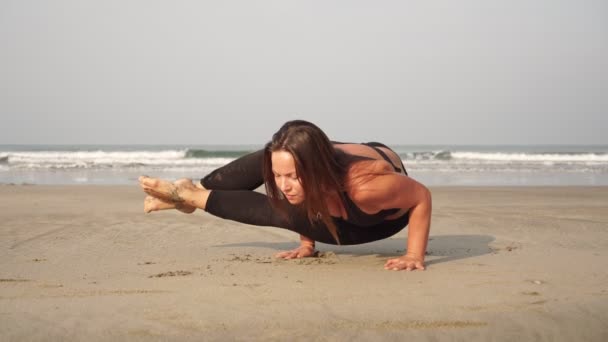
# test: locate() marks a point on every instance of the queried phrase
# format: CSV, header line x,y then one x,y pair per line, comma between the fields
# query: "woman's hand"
x,y
303,251
406,262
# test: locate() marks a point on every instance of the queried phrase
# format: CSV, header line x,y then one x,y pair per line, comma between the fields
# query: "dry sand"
x,y
85,263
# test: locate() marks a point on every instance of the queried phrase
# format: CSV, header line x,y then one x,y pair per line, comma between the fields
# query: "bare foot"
x,y
162,189
185,184
154,204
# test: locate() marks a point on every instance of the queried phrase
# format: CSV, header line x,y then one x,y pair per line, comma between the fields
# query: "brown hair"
x,y
317,166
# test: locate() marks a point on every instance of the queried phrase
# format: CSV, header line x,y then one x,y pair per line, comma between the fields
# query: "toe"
x,y
150,182
183,181
149,204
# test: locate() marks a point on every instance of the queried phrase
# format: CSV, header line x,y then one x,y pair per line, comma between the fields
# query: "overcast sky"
x,y
221,72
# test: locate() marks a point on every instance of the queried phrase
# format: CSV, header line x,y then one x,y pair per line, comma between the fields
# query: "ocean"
x,y
433,165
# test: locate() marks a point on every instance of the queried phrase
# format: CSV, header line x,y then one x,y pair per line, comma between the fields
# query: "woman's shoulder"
x,y
362,186
367,167
360,175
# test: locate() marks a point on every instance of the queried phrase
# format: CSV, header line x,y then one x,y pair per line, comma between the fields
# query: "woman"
x,y
335,193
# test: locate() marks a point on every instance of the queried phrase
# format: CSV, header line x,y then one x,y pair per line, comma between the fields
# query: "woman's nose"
x,y
284,185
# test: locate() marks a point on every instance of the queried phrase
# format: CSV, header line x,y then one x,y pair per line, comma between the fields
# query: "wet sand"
x,y
504,264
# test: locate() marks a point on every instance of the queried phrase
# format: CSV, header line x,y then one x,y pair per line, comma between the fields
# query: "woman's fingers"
x,y
402,263
295,253
287,254
302,254
390,263
281,254
291,255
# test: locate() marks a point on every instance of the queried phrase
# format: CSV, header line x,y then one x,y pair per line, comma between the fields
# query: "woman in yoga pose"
x,y
331,192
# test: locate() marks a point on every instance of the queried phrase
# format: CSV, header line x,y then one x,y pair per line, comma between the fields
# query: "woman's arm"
x,y
394,190
417,235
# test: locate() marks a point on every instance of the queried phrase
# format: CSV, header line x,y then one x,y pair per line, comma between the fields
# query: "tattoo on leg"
x,y
175,197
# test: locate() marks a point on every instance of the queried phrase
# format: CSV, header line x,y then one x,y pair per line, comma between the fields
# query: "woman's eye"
x,y
294,178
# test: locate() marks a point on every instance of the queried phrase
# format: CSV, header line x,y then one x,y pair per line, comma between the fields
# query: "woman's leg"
x,y
254,208
244,173
243,206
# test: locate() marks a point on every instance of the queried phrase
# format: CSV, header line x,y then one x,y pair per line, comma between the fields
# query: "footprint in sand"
x,y
321,258
11,280
509,247
171,274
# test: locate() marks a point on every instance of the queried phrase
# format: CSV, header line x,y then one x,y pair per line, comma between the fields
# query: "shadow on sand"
x,y
441,248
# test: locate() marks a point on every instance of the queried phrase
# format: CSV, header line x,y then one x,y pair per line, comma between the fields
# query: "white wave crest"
x,y
105,159
48,156
530,157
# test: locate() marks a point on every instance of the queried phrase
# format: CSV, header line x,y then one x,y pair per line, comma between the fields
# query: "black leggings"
x,y
232,198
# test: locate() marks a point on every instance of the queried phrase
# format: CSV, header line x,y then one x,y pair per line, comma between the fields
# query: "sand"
x,y
85,263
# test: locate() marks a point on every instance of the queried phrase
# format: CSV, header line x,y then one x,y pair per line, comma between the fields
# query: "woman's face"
x,y
286,178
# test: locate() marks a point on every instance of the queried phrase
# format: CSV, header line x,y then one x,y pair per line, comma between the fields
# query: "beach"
x,y
83,262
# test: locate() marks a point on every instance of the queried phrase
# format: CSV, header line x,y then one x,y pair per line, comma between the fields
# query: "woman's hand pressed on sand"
x,y
300,252
406,262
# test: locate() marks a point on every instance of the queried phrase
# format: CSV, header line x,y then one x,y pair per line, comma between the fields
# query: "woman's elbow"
x,y
425,197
